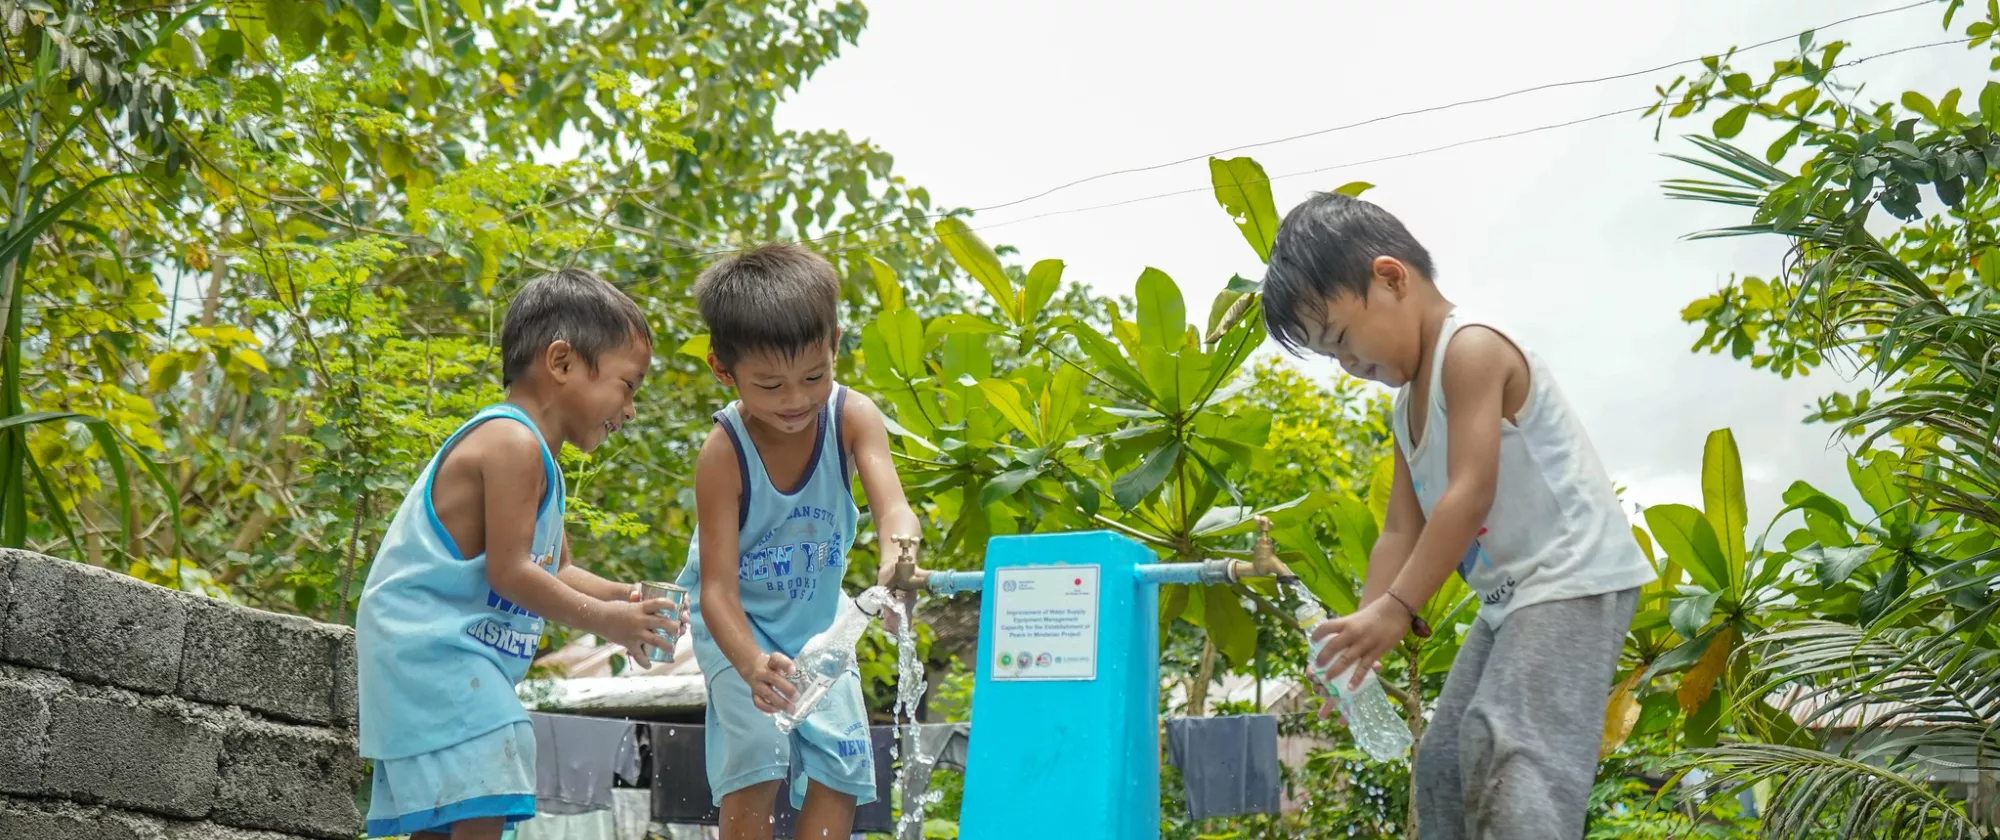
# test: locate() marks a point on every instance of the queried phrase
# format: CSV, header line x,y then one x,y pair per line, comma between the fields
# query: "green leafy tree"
x,y
1882,618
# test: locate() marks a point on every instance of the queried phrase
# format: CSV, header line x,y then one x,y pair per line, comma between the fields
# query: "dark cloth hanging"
x,y
681,794
1229,765
576,760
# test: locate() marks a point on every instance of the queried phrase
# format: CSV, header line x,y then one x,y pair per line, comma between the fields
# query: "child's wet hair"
x,y
781,299
1326,247
573,305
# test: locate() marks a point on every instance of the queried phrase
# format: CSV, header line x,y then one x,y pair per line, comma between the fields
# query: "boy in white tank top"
x,y
1495,479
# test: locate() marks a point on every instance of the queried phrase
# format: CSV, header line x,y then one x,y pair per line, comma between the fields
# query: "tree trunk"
x,y
347,566
1198,693
1413,714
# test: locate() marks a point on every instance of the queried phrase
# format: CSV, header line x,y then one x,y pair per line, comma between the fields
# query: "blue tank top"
x,y
793,543
438,651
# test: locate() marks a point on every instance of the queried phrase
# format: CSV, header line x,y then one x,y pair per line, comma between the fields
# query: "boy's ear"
x,y
560,359
722,374
1392,273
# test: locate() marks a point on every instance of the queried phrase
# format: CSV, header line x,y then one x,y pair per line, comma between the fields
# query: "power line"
x,y
1351,164
922,236
1437,108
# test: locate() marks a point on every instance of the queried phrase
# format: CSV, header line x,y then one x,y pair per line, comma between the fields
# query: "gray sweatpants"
x,y
1511,750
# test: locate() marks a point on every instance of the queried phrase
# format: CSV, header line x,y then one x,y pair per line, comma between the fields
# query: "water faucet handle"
x,y
1264,555
907,544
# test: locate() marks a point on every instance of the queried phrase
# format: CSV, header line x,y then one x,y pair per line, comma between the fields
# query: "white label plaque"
x,y
1045,623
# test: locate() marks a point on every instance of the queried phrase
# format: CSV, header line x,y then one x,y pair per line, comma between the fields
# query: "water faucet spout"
x,y
1264,560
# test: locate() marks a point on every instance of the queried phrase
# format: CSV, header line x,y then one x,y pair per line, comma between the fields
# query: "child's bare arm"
x,y
589,583
867,436
1478,365
512,477
1400,527
718,489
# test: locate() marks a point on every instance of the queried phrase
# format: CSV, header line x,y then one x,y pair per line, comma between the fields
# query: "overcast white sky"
x,y
1563,235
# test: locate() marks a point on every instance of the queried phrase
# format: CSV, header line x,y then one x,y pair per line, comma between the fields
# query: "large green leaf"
x,y
1229,625
978,260
1683,656
1833,565
903,335
1004,485
1690,542
1005,397
1879,484
1064,399
888,291
1356,531
1804,496
1133,487
1109,360
957,323
1381,485
1704,725
1043,280
1242,188
1722,501
1688,614
1162,312
1227,359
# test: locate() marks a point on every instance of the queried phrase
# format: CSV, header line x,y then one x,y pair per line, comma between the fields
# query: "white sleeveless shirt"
x,y
1555,530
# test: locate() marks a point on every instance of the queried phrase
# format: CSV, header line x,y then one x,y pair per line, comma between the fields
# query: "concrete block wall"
x,y
133,712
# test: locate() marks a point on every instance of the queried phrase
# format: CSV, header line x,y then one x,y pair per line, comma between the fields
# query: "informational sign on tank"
x,y
1045,623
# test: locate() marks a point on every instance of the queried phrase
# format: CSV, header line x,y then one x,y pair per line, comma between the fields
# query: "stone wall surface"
x,y
133,712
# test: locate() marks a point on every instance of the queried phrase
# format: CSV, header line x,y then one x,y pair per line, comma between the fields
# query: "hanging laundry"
x,y
576,760
631,812
945,744
681,795
1229,765
593,825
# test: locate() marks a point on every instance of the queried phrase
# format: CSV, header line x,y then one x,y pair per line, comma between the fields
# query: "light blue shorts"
x,y
743,746
492,775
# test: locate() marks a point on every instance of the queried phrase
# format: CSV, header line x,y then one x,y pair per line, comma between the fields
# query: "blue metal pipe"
x,y
1158,573
952,583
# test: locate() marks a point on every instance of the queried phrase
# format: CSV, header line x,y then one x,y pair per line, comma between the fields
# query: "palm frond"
x,y
1932,689
1816,794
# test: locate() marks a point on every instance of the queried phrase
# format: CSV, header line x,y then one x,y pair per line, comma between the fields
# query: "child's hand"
x,y
637,625
673,633
1359,640
771,684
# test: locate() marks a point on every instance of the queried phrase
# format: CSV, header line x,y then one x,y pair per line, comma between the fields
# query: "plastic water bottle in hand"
x,y
829,654
1378,726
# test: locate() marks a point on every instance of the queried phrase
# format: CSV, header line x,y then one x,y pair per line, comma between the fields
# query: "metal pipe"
x,y
1206,571
952,583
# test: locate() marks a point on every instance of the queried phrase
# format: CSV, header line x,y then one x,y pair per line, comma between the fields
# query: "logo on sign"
x,y
1007,586
1006,660
1025,659
1042,661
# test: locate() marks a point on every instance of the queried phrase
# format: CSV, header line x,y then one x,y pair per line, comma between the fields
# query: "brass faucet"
x,y
1264,560
908,578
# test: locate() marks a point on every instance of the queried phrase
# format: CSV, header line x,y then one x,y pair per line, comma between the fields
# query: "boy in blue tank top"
x,y
775,519
474,561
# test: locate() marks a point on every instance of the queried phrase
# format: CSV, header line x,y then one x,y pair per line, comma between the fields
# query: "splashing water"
x,y
910,687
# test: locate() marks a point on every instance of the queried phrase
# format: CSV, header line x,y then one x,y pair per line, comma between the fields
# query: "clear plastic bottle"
x,y
1375,720
828,655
